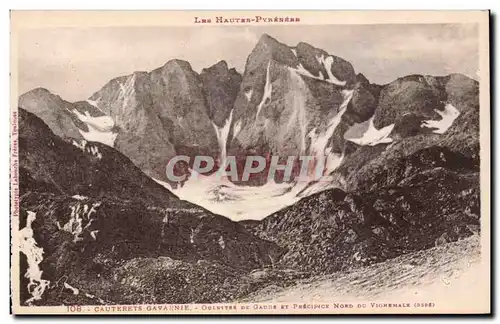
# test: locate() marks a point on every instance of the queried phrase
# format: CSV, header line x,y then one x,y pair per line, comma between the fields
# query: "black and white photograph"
x,y
241,163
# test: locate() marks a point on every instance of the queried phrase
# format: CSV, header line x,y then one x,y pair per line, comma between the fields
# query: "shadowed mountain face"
x,y
221,86
164,113
290,101
90,209
402,161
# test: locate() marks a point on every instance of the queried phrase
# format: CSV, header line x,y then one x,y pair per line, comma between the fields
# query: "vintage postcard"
x,y
275,162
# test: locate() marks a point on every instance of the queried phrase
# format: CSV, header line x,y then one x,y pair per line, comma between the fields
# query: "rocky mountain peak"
x,y
268,48
219,67
177,64
362,80
40,91
221,86
55,111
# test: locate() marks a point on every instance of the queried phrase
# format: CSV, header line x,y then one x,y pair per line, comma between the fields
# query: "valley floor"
x,y
447,271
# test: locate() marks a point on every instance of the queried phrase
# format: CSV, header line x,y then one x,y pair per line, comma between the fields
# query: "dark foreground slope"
x,y
97,229
93,222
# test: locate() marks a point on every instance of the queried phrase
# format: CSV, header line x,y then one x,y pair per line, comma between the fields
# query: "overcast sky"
x,y
74,63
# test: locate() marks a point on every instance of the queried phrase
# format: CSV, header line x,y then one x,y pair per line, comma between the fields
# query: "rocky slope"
x,y
337,231
443,273
149,117
54,111
159,115
403,161
291,101
87,211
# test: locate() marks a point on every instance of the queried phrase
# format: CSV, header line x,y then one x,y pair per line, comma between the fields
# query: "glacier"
x,y
219,195
268,88
100,128
448,116
370,136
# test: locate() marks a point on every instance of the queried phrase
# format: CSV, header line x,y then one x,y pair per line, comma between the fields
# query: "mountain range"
x,y
100,215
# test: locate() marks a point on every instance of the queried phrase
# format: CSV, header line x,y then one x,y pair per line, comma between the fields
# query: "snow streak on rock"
x,y
301,70
80,144
80,219
319,141
100,128
327,63
237,128
87,148
222,136
72,289
448,116
127,91
248,94
94,234
268,88
299,106
94,103
222,243
34,255
79,197
370,135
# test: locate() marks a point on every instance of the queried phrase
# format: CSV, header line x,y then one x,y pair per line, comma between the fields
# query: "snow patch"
x,y
301,70
319,141
94,234
327,63
95,151
222,243
94,103
99,123
100,128
73,289
370,136
237,128
164,184
79,213
268,88
248,94
84,146
294,51
79,197
448,116
34,255
80,144
191,236
332,161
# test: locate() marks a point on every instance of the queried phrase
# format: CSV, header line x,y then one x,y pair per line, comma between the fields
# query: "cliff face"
x,y
88,209
401,174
